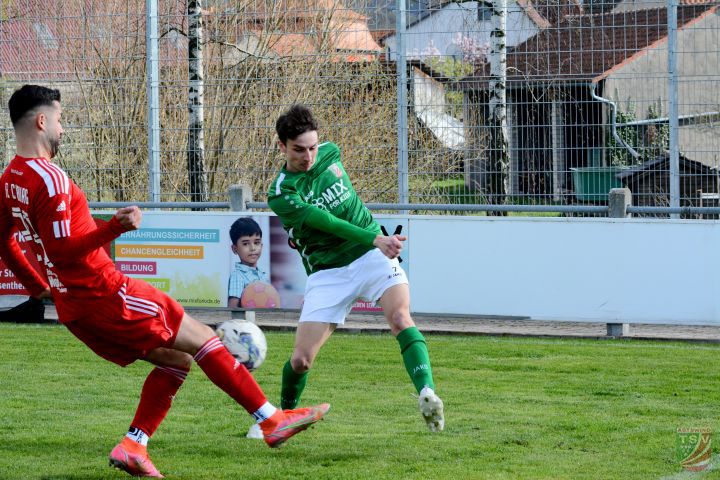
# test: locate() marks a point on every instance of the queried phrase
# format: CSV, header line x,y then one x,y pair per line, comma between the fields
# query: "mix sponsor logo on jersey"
x,y
332,196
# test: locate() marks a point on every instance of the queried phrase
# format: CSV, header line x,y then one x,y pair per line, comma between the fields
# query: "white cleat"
x,y
255,432
431,408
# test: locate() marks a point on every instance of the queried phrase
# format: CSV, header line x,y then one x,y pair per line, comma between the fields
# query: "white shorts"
x,y
330,294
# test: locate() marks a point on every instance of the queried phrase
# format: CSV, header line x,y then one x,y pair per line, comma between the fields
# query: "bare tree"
x,y
497,159
196,138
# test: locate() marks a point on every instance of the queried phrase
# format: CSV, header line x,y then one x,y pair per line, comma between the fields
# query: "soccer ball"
x,y
260,295
245,341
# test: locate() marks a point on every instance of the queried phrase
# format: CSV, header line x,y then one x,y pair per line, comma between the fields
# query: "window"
x,y
47,39
484,11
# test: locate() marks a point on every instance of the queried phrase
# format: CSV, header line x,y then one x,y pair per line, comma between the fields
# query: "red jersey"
x,y
42,205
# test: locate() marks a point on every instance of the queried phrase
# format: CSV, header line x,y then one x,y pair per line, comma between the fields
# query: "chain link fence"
x,y
502,102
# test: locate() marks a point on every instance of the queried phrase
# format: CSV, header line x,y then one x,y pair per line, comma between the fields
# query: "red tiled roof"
x,y
533,14
298,9
586,47
49,41
380,35
554,11
29,45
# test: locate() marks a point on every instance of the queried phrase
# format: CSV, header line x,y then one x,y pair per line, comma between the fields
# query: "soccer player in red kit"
x,y
121,319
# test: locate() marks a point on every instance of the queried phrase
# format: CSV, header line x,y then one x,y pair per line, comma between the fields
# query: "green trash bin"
x,y
592,184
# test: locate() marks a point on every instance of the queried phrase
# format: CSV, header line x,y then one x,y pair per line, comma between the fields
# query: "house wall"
x,y
643,82
430,106
442,27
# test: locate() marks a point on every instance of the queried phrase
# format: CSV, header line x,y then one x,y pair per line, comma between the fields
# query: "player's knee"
x,y
184,360
301,363
179,360
399,320
167,357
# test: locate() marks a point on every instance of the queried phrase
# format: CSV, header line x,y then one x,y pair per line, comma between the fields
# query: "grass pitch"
x,y
515,408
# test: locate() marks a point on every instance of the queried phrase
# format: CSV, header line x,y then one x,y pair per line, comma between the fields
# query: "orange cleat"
x,y
133,458
285,423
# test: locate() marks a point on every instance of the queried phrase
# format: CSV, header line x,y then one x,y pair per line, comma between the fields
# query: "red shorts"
x,y
124,326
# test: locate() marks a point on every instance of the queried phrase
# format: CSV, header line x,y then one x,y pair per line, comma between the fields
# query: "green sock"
x,y
293,385
416,358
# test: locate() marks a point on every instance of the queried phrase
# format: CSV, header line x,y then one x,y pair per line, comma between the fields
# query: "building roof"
x,y
46,41
625,5
296,28
298,9
543,13
661,164
553,11
586,48
29,42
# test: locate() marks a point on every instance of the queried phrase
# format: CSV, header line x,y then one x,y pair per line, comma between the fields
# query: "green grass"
x,y
516,408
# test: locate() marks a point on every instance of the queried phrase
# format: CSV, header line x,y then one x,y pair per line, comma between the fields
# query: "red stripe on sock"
x,y
231,376
212,344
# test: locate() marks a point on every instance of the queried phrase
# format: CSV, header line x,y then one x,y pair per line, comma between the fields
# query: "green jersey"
x,y
322,214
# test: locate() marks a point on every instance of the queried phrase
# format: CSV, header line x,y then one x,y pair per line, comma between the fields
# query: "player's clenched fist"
x,y
129,217
390,246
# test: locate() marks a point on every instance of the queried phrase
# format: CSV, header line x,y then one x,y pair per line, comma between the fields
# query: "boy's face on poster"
x,y
249,249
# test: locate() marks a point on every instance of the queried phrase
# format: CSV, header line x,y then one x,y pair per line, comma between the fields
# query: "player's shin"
x,y
229,375
293,384
416,358
156,399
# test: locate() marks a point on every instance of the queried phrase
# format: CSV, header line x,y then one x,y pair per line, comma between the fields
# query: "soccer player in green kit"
x,y
346,257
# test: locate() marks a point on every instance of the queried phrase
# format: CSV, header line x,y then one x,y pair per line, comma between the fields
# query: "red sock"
x,y
230,375
156,398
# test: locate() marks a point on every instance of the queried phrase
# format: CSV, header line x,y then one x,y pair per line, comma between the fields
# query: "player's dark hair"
x,y
244,227
28,98
297,120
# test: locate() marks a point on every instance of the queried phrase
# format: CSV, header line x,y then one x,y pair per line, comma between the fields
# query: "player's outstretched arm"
x,y
294,211
327,222
124,220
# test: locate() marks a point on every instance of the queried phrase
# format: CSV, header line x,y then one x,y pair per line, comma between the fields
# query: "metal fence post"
x,y
153,94
673,106
402,101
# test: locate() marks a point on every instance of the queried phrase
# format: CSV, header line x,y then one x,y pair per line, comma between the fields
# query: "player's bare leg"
x,y
309,338
233,378
395,303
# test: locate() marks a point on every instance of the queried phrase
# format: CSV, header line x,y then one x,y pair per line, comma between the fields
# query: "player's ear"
x,y
233,248
282,146
40,120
